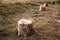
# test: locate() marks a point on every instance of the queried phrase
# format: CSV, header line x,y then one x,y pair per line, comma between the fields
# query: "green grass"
x,y
11,13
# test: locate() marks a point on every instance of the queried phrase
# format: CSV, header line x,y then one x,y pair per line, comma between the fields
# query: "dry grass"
x,y
25,1
11,13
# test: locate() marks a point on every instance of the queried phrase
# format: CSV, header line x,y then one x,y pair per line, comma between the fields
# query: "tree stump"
x,y
25,27
43,6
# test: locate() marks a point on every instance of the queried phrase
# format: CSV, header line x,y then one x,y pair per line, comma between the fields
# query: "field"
x,y
46,22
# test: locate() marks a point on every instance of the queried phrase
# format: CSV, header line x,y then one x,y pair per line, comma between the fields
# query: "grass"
x,y
11,13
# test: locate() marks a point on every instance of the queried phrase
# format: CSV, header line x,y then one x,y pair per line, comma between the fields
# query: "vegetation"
x,y
45,20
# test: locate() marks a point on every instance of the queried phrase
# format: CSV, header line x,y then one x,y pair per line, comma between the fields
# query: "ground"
x,y
46,22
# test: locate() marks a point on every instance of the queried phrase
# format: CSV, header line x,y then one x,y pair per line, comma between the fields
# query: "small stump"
x,y
25,27
43,6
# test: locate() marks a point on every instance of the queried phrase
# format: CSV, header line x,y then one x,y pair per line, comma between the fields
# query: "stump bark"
x,y
25,27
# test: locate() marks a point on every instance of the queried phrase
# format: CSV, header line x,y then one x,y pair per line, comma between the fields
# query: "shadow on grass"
x,y
3,33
